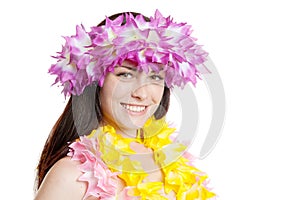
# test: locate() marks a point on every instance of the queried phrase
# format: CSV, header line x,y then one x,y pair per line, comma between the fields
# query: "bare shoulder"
x,y
61,182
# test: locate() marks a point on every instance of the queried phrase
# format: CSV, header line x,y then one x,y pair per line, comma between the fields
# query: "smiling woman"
x,y
112,141
129,97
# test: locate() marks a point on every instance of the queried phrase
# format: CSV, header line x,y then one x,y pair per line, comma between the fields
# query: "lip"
x,y
135,109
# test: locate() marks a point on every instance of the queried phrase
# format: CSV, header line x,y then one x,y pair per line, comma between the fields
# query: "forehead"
x,y
150,66
130,63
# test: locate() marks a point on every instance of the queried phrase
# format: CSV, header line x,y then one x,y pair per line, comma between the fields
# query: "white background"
x,y
254,44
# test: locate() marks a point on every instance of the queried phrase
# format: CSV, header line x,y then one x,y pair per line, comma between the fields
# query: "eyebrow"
x,y
130,68
156,72
135,69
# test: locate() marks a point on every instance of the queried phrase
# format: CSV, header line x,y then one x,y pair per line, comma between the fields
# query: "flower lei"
x,y
180,176
87,57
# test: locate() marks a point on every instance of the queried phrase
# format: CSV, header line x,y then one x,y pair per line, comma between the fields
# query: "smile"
x,y
134,108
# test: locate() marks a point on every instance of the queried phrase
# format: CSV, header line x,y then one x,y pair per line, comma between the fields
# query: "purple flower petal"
x,y
88,57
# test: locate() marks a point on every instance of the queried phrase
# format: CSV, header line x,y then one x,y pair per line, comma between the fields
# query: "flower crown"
x,y
88,57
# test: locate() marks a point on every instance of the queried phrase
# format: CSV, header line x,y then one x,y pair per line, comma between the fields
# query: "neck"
x,y
124,132
127,133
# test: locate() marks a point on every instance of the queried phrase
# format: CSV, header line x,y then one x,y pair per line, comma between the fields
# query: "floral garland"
x,y
104,153
87,57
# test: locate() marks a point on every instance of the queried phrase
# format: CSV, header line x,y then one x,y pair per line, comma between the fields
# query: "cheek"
x,y
112,93
157,94
105,101
106,93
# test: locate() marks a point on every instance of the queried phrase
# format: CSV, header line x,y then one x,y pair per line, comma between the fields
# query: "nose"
x,y
140,93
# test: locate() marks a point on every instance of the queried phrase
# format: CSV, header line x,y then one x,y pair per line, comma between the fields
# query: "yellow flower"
x,y
179,176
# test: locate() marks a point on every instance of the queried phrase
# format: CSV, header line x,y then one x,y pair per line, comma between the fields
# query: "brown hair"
x,y
81,115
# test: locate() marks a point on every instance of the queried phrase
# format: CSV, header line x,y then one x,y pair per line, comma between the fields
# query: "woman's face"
x,y
129,97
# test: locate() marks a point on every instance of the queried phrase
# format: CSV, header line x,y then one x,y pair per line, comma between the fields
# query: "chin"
x,y
136,124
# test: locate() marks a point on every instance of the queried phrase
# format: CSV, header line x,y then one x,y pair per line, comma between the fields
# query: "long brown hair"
x,y
81,115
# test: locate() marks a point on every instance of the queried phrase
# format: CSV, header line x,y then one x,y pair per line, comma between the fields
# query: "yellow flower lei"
x,y
184,179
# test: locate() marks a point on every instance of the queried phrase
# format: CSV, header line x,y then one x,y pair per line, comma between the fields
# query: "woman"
x,y
112,140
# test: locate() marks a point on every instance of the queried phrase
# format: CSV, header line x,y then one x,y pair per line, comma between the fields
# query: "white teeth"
x,y
134,108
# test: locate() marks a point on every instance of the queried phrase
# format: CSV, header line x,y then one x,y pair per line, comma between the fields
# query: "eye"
x,y
125,75
156,77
